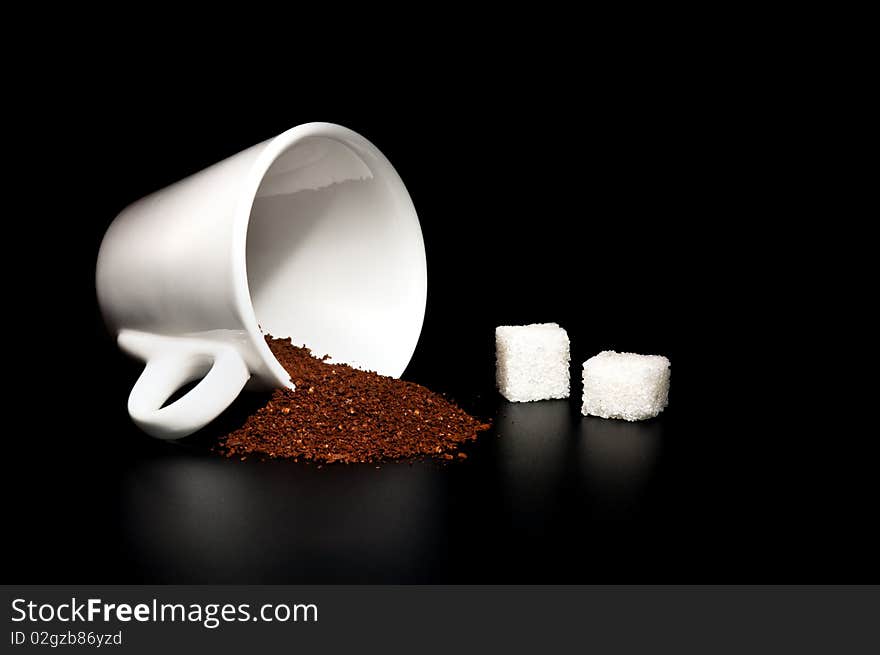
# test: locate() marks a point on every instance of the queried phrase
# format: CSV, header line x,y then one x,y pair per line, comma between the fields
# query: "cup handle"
x,y
171,363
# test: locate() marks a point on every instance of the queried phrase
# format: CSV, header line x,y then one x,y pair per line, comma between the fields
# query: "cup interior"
x,y
335,257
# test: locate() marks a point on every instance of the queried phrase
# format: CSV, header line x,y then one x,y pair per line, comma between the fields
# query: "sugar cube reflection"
x,y
533,444
617,460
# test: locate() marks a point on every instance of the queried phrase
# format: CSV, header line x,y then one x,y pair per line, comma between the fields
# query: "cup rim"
x,y
273,149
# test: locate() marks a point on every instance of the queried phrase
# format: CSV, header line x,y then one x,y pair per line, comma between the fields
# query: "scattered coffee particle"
x,y
342,414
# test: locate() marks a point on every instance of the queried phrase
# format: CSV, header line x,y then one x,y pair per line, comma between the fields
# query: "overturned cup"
x,y
311,235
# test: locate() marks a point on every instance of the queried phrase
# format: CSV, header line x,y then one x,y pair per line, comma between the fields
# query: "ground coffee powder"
x,y
341,414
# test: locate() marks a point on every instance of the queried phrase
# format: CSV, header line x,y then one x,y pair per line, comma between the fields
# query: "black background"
x,y
624,204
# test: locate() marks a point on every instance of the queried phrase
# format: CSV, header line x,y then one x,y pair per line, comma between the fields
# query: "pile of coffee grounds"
x,y
341,414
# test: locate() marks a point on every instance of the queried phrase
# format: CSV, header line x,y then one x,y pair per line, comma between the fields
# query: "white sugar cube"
x,y
532,362
625,385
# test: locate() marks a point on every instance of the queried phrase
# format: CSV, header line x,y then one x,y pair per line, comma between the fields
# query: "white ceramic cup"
x,y
310,235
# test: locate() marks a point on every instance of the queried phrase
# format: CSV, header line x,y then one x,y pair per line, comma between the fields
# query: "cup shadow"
x,y
191,519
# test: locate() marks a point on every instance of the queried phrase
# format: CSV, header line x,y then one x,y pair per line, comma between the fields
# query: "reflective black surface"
x,y
546,496
539,496
538,478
